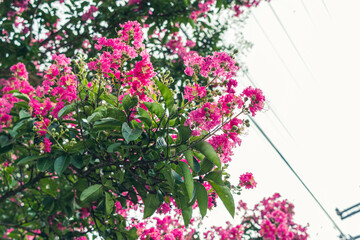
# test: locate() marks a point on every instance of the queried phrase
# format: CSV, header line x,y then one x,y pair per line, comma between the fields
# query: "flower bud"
x,y
228,104
207,114
206,109
234,127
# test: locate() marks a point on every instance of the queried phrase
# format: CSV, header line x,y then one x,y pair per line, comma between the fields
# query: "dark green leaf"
x,y
44,164
225,196
23,114
155,108
202,198
67,109
3,140
129,102
196,165
187,178
209,152
166,93
109,203
21,96
61,164
184,133
77,161
107,123
145,117
91,193
113,147
130,134
30,159
215,176
152,203
205,166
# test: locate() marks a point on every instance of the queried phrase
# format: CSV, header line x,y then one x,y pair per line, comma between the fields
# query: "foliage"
x,y
109,131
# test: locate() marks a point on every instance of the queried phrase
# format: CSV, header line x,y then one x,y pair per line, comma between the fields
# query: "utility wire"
x,y
291,41
270,107
275,50
307,12
287,163
326,8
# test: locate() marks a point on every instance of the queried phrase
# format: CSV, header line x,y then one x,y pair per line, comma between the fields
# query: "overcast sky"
x,y
319,108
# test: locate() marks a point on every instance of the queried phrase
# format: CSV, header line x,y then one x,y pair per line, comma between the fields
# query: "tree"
x,y
110,130
120,126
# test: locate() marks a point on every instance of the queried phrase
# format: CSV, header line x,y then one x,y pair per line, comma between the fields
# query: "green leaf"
x,y
77,161
3,140
205,166
215,176
187,214
67,109
196,165
152,203
30,159
188,179
23,114
21,96
44,164
209,152
225,196
95,117
144,116
107,123
167,172
130,134
155,108
91,193
189,158
61,164
129,102
23,124
109,203
166,93
184,133
113,147
177,177
202,198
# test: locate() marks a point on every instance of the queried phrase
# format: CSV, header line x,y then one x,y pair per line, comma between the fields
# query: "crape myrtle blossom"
x,y
247,181
123,69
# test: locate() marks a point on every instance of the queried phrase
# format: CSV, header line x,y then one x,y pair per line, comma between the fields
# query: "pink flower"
x,y
47,145
192,92
257,99
247,180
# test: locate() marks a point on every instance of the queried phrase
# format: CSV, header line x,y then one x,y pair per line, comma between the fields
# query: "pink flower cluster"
x,y
246,3
229,233
204,7
128,46
89,14
166,228
247,180
59,83
276,220
257,99
177,46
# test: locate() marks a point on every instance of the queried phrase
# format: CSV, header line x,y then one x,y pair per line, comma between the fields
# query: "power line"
x,y
326,8
307,12
275,50
287,163
291,41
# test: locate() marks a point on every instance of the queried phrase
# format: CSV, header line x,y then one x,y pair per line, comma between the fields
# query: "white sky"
x,y
322,113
